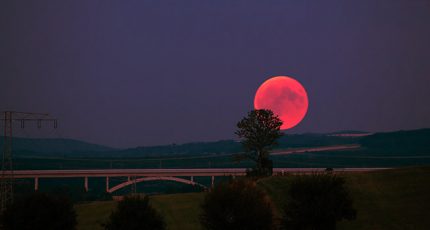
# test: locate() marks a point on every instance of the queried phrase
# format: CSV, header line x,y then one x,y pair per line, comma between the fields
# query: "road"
x,y
316,149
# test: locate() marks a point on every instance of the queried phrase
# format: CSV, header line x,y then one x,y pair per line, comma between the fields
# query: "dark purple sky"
x,y
129,73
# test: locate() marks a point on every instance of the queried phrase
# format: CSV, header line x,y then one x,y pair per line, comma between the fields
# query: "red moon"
x,y
286,97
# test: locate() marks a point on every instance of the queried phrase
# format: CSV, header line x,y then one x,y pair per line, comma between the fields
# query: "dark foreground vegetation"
x,y
393,199
134,213
40,211
317,201
239,204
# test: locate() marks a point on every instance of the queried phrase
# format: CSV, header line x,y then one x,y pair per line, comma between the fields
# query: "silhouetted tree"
x,y
40,211
135,213
259,132
317,202
236,205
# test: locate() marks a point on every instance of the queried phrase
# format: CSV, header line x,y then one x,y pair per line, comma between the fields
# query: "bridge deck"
x,y
162,172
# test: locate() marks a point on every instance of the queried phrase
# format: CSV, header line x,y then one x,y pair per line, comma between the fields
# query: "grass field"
x,y
180,211
92,215
392,199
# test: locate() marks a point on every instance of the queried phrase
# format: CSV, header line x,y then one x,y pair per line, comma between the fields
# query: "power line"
x,y
6,183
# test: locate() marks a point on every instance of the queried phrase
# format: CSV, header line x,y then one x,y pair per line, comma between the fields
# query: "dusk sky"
x,y
134,73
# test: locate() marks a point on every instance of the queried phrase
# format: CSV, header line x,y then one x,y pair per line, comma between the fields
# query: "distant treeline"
x,y
401,141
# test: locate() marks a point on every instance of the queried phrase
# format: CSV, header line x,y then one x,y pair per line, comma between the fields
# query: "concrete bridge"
x,y
141,175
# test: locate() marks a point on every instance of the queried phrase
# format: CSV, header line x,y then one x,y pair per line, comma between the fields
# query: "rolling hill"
x,y
54,145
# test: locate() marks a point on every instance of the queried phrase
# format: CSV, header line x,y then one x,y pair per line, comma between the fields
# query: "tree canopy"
x,y
259,132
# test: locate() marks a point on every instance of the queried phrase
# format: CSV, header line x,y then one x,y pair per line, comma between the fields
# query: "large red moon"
x,y
286,97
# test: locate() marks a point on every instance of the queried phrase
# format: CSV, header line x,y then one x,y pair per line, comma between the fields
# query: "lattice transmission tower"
x,y
7,178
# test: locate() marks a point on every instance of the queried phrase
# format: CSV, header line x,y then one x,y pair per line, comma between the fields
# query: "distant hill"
x,y
231,146
348,132
53,145
224,146
75,148
400,141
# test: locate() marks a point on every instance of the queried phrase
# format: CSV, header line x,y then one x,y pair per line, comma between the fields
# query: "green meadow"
x,y
390,199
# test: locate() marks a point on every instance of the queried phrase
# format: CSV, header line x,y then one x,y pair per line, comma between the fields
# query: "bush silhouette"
x,y
236,205
317,201
40,211
135,213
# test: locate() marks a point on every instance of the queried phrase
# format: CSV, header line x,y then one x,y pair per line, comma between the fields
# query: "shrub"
x,y
238,204
40,211
135,213
317,202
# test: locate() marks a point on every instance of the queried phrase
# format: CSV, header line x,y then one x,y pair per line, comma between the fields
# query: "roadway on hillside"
x,y
316,149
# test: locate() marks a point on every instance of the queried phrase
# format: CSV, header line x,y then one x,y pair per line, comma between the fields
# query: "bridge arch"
x,y
142,179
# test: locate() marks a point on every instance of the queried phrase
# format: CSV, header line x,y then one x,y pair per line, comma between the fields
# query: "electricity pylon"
x,y
7,178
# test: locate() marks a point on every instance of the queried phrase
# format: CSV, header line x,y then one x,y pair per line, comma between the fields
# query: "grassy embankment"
x,y
392,199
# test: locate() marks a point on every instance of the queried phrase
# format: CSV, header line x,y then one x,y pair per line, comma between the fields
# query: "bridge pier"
x,y
86,184
107,184
36,183
134,186
212,181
